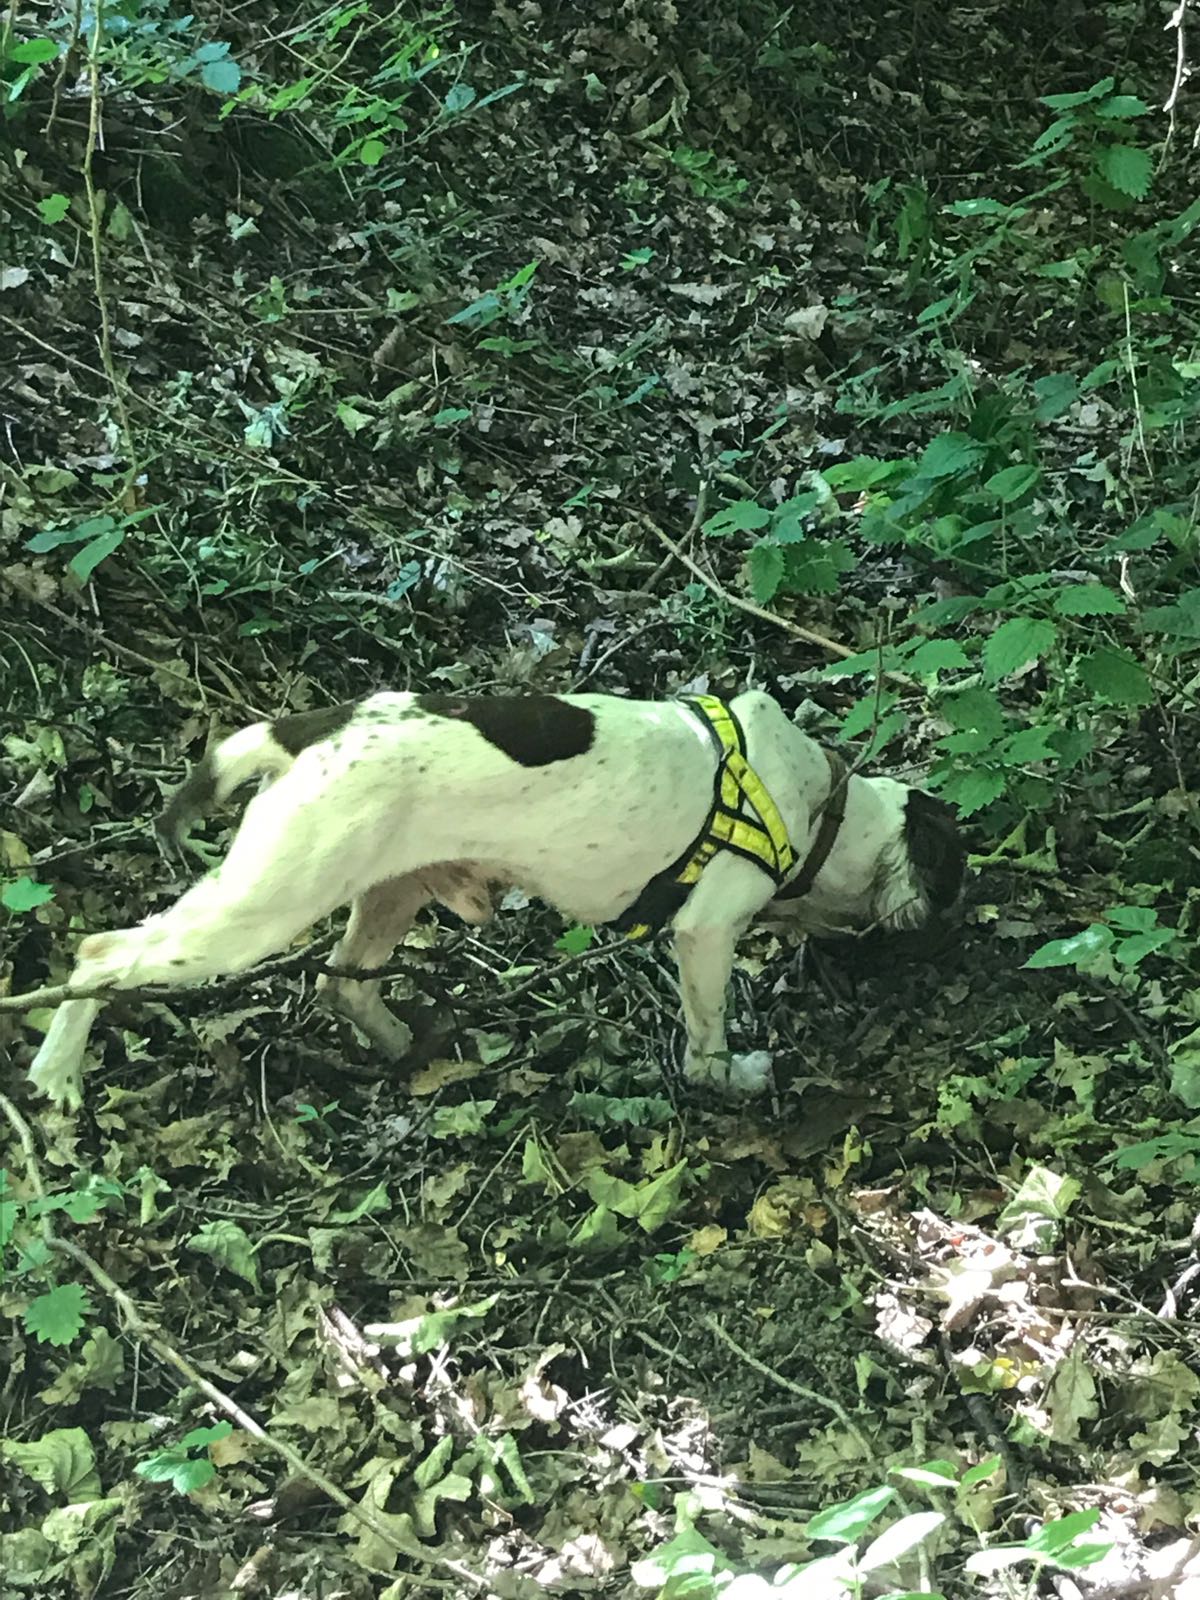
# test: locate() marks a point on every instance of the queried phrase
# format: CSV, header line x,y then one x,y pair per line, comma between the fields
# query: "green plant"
x,y
709,176
690,1563
54,1312
187,1465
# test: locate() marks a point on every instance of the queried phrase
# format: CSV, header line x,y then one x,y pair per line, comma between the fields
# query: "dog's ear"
x,y
935,848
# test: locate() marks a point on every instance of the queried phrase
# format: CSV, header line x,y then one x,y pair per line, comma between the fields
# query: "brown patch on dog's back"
x,y
532,730
935,848
300,729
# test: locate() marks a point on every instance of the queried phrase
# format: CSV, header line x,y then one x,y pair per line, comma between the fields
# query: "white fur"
x,y
402,807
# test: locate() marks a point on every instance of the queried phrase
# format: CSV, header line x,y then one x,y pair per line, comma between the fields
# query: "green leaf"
x,y
640,257
765,564
33,52
1140,945
1181,619
975,709
451,1122
58,1316
949,455
1127,168
741,516
1066,102
370,153
1015,644
1122,106
85,561
972,789
53,208
1115,676
575,941
229,1244
23,894
222,77
1011,483
937,655
1089,600
849,1520
1075,951
458,97
814,565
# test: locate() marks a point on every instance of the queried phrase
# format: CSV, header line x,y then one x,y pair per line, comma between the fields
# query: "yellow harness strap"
x,y
743,819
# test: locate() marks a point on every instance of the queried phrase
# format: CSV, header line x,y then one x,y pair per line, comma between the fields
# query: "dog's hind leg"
x,y
379,920
57,1069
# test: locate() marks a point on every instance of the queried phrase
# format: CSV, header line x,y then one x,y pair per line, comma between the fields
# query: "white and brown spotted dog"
x,y
398,800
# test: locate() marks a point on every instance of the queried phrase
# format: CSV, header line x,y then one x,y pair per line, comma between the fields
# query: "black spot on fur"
x,y
935,848
532,730
303,728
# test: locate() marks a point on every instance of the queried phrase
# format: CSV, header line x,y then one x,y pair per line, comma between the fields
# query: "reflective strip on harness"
x,y
744,820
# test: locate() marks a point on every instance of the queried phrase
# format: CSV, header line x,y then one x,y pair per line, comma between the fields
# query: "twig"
x,y
93,202
153,1339
664,565
827,1402
748,606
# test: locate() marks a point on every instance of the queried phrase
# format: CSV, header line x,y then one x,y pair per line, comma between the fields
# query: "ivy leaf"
x,y
742,516
53,208
23,894
765,566
1115,676
1015,644
58,1316
1127,169
1089,600
1074,951
575,941
229,1244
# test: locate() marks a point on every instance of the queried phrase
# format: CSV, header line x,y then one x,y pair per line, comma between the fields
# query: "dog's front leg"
x,y
705,956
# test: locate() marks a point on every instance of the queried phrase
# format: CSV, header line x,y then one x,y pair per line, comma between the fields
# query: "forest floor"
x,y
548,1318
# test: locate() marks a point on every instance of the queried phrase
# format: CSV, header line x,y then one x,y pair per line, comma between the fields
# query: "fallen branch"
x,y
169,1356
822,641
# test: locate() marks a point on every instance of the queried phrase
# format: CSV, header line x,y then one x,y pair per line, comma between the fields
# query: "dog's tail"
x,y
222,769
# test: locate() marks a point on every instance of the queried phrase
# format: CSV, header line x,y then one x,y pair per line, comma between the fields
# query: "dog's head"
x,y
919,875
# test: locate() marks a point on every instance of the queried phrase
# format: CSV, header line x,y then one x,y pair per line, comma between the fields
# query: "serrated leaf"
x,y
1016,644
1180,619
576,940
972,789
1067,102
1115,676
937,655
23,894
949,455
975,710
1011,483
742,516
1089,600
765,565
1074,951
58,1316
1128,169
228,1244
862,714
1121,106
813,566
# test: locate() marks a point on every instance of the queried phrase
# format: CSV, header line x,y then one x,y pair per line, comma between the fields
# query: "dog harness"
x,y
743,820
